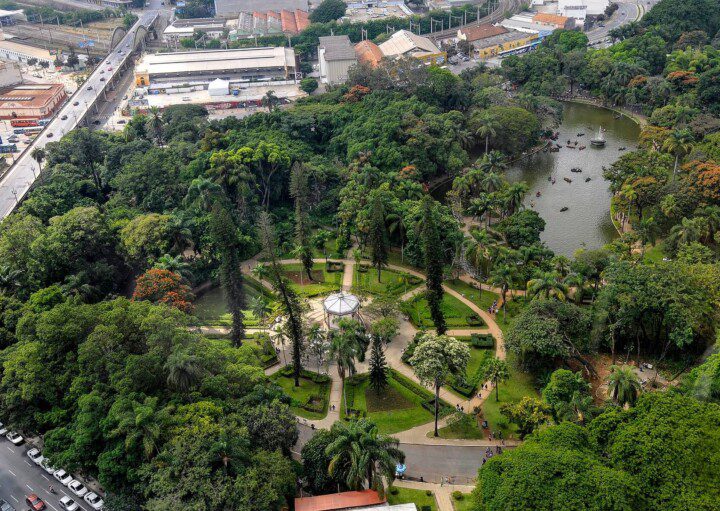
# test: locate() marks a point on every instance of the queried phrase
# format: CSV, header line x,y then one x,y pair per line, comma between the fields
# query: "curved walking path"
x,y
394,351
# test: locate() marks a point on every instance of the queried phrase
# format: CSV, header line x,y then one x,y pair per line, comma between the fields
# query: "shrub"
x,y
457,495
428,493
308,85
393,490
474,320
482,341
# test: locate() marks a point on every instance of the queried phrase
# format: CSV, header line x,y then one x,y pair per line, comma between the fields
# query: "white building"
x,y
9,74
337,56
524,22
187,28
579,10
12,49
404,43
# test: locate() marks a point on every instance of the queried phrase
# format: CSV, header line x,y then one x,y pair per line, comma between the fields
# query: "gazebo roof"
x,y
341,304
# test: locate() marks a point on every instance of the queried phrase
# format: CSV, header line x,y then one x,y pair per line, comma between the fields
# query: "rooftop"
x,y
368,53
29,96
551,19
25,49
403,42
217,60
512,35
231,8
483,31
337,47
341,304
336,501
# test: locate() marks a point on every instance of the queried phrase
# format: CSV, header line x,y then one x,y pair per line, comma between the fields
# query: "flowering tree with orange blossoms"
x,y
704,179
164,286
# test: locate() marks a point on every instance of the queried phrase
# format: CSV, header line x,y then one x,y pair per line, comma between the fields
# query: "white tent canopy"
x,y
341,304
219,87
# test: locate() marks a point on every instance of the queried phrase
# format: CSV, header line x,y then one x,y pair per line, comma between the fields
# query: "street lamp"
x,y
14,192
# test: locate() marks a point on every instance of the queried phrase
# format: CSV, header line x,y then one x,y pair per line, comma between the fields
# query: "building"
x,y
336,55
233,8
368,53
268,23
11,17
475,33
37,101
368,10
186,71
554,20
524,22
406,44
187,28
9,74
15,49
579,10
365,500
113,4
505,43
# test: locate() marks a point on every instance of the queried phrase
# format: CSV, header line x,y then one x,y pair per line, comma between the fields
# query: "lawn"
x,y
465,428
654,254
466,504
211,307
392,283
457,314
420,498
394,257
314,389
324,282
485,299
518,386
397,408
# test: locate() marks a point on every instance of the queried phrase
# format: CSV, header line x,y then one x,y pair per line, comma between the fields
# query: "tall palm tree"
x,y
175,264
688,231
561,264
576,281
479,249
481,206
497,371
360,456
514,195
183,371
38,154
546,284
486,127
503,276
202,193
630,196
156,125
492,181
260,308
396,222
623,385
344,349
270,100
712,215
494,161
679,144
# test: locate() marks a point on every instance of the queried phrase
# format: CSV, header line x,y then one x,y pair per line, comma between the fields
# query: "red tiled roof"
x,y
551,19
345,500
302,19
294,22
483,31
368,53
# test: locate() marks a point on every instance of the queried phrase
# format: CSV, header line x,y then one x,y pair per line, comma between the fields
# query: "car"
x,y
102,71
110,68
107,61
35,502
77,488
15,438
63,118
102,78
95,501
96,121
76,103
120,52
35,456
11,139
68,504
45,464
49,135
89,87
5,506
63,477
121,121
125,96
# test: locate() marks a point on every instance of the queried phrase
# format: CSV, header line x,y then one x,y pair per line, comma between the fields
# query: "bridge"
x,y
18,179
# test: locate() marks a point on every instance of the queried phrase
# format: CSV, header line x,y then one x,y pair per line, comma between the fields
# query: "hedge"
x,y
482,341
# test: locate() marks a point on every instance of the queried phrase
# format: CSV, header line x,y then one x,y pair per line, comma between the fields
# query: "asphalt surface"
x,y
20,477
22,174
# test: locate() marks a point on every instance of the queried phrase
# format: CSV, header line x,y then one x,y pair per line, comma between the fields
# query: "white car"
x,y
15,438
45,464
3,429
68,504
63,477
77,488
35,455
95,501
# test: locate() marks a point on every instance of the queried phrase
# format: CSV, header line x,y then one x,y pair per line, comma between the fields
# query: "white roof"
x,y
218,85
209,61
403,42
341,304
24,49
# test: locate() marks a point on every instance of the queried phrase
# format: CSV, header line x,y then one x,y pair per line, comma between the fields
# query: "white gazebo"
x,y
340,305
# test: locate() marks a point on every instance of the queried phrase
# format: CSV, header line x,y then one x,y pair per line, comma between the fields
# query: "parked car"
x,y
5,506
68,504
15,438
3,429
107,61
63,477
49,135
89,87
35,455
35,502
77,488
45,464
102,78
95,501
63,118
76,103
121,121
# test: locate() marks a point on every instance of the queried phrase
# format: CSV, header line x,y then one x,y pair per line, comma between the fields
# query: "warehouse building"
x,y
233,8
199,68
268,23
38,101
508,42
368,53
187,28
337,56
406,44
15,49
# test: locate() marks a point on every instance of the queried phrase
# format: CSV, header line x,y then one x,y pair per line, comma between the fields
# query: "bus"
x,y
34,130
8,148
44,122
23,123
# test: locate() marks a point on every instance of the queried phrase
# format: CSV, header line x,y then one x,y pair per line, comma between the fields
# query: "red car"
x,y
35,502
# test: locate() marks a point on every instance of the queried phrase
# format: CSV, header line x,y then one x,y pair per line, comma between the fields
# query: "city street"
x,y
20,477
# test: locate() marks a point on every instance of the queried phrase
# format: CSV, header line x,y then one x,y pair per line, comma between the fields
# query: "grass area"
x,y
466,504
309,391
518,386
324,281
465,428
211,308
485,299
397,408
395,257
391,283
457,314
654,254
420,498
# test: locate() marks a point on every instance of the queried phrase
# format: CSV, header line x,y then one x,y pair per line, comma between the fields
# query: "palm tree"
x,y
202,192
497,371
9,278
316,340
630,195
38,154
712,215
487,127
261,272
344,349
577,282
260,308
175,264
156,124
479,249
578,409
360,456
320,239
503,277
679,143
514,195
546,284
183,371
623,385
481,206
494,161
269,100
648,230
492,181
396,222
561,264
688,231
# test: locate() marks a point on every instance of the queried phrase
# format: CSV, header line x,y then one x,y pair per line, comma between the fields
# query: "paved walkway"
x,y
442,491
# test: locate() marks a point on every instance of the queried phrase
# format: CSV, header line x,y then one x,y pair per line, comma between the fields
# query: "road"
x,y
628,11
20,477
22,174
